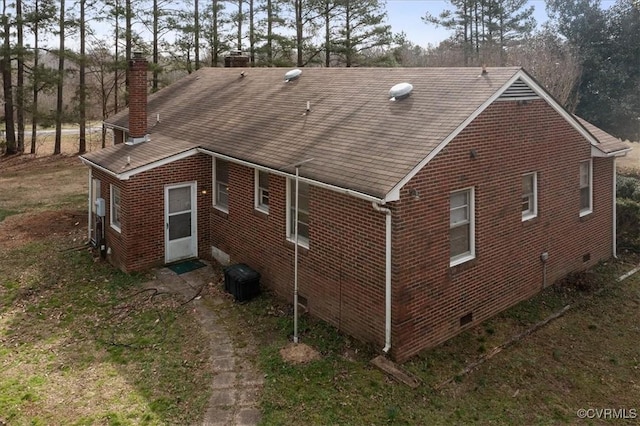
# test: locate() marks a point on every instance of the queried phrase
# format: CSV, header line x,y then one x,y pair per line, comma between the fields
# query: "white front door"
x,y
180,222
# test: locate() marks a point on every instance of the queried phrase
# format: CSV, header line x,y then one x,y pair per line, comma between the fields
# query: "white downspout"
x,y
615,210
387,276
89,204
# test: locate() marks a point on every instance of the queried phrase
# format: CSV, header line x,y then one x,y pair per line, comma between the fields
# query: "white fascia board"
x,y
278,172
559,109
394,194
597,152
129,173
113,126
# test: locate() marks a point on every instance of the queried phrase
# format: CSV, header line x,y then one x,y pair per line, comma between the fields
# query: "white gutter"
x,y
319,184
597,152
615,210
387,276
89,203
114,126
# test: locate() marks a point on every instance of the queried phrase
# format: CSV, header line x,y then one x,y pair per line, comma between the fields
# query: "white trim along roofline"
x,y
185,154
394,194
129,173
114,126
278,172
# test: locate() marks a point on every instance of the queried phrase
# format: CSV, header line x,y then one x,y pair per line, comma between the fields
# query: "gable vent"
x,y
518,91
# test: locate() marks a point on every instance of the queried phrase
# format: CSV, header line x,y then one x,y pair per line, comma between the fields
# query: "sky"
x,y
405,15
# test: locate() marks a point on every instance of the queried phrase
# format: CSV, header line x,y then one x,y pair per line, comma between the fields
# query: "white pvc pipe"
x,y
387,276
295,262
91,194
615,211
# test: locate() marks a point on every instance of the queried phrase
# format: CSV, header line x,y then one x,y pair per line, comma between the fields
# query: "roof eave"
x,y
114,126
597,152
280,172
137,170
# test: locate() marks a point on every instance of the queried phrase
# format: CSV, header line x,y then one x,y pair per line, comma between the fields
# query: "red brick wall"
x,y
509,140
138,96
140,245
341,275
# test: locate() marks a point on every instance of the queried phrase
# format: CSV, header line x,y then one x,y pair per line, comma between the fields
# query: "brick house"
x,y
419,216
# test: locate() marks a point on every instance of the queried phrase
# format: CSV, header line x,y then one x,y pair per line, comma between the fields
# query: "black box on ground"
x,y
242,282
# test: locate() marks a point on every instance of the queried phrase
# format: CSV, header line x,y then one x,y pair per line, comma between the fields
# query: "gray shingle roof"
x,y
608,143
358,139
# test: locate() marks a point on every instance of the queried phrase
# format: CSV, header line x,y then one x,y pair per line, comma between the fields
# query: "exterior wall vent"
x,y
466,319
518,91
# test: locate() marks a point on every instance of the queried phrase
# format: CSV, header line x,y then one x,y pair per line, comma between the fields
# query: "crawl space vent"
x,y
467,319
518,91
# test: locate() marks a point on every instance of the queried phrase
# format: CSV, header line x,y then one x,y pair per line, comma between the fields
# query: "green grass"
x,y
586,359
79,342
4,213
66,315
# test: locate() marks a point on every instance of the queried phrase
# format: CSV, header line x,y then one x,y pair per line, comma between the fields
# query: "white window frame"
x,y
260,192
471,254
115,208
302,241
216,188
533,198
586,210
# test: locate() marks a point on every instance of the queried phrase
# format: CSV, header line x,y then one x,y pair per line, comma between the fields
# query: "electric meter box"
x,y
100,207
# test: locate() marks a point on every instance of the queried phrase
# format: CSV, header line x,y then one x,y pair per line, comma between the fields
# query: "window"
x,y
529,196
115,208
221,184
585,188
461,226
262,190
303,212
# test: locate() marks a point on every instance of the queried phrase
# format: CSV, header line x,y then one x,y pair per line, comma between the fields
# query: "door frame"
x,y
194,220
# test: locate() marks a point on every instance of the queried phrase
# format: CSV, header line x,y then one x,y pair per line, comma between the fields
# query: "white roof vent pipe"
x,y
292,75
400,91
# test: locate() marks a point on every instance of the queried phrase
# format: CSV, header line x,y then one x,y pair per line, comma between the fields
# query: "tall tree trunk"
x,y
5,64
117,59
468,32
347,33
156,19
20,77
82,147
58,142
270,32
196,33
215,45
240,24
252,37
327,35
298,6
36,81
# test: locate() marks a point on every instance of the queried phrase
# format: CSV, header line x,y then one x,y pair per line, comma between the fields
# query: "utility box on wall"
x,y
242,282
100,207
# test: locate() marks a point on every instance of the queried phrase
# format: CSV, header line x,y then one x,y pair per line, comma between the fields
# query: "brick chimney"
x,y
137,99
236,59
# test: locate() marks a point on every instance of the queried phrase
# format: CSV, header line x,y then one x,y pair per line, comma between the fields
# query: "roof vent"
x,y
292,75
400,91
518,91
